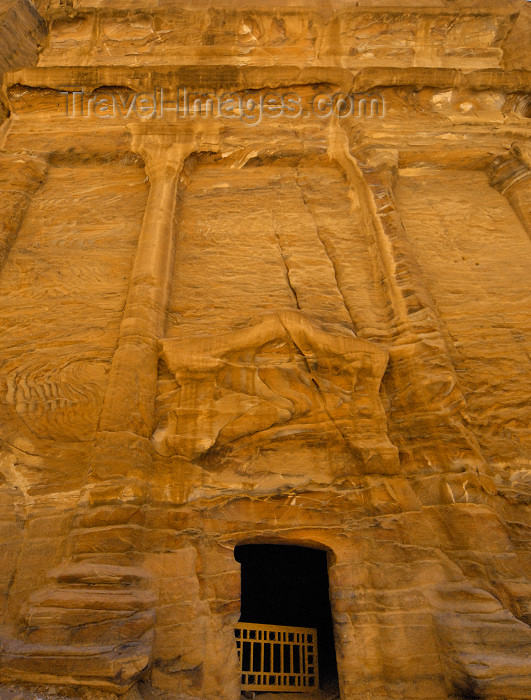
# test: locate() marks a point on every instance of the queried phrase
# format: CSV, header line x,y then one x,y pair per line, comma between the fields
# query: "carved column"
x,y
127,414
122,456
21,175
511,175
422,378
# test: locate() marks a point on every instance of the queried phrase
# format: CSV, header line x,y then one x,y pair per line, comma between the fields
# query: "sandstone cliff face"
x,y
264,328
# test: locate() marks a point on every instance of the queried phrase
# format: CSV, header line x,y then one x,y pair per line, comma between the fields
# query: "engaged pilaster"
x,y
21,175
122,450
129,399
425,384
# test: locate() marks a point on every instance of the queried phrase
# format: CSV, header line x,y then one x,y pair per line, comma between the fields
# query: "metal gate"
x,y
277,658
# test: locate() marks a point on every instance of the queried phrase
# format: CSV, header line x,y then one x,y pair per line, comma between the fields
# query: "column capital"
x,y
506,171
381,158
163,155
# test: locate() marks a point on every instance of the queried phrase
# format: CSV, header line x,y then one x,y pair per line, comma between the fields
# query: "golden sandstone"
x,y
264,271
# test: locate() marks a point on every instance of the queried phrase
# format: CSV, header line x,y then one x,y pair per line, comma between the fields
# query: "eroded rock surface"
x,y
264,327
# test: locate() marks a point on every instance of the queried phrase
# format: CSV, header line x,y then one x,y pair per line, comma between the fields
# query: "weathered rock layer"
x,y
278,321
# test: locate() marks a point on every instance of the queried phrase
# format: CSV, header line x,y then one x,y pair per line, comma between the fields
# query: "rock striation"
x,y
265,279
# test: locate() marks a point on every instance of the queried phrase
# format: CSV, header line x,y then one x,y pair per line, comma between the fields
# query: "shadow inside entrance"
x,y
288,585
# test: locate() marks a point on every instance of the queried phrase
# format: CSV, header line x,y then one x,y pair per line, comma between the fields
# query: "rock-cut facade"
x,y
265,280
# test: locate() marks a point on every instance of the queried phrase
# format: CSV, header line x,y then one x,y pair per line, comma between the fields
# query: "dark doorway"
x,y
288,585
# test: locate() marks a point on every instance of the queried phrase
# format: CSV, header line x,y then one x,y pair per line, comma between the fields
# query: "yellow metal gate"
x,y
277,658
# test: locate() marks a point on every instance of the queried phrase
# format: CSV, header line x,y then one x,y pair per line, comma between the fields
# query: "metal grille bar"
x,y
273,657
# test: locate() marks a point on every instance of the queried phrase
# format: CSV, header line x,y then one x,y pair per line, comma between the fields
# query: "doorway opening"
x,y
288,585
